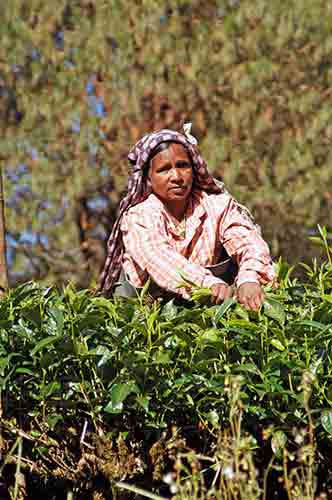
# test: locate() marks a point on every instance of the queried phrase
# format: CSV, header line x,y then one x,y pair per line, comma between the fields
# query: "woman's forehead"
x,y
174,151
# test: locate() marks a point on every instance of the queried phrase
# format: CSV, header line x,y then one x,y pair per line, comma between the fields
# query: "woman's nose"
x,y
175,173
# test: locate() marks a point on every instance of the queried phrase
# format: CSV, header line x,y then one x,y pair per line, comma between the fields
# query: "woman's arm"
x,y
242,240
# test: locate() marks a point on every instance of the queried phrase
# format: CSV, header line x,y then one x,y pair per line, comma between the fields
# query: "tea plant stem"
x,y
87,399
203,457
85,426
290,382
266,473
23,434
9,455
309,480
323,234
214,482
286,478
18,480
138,491
25,462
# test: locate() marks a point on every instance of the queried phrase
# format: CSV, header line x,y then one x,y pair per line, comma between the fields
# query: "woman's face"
x,y
171,174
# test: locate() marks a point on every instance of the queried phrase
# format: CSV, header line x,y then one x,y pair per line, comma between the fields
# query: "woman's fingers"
x,y
251,295
221,292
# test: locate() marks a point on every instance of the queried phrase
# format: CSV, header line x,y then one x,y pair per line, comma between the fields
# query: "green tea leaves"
x,y
278,443
118,393
275,310
277,344
223,308
48,341
326,421
116,360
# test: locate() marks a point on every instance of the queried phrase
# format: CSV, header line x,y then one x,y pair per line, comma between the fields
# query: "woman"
x,y
177,222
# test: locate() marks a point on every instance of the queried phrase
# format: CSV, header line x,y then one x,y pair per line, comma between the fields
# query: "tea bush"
x,y
78,371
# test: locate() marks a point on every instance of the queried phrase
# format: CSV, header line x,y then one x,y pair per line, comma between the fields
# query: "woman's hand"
x,y
221,292
251,295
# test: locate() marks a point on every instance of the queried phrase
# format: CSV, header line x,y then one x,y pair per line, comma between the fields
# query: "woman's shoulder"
x,y
151,203
146,212
213,199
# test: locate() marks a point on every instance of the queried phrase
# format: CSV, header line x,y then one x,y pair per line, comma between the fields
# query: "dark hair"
x,y
163,146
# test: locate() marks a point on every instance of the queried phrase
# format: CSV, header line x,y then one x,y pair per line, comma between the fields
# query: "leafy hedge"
x,y
70,360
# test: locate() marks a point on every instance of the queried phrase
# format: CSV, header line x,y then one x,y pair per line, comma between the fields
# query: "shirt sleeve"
x,y
242,240
147,244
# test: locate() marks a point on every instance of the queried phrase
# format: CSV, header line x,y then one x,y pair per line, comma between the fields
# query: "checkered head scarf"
x,y
137,191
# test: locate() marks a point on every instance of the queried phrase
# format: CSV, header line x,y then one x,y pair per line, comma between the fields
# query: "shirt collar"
x,y
195,212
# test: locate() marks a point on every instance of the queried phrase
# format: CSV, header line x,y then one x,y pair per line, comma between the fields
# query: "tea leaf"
x,y
118,393
213,418
48,341
326,421
223,308
277,344
278,442
273,309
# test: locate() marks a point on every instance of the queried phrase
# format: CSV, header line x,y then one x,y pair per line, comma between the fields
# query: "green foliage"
x,y
125,357
71,361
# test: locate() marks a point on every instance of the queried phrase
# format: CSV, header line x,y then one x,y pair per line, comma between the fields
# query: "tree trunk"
x,y
3,260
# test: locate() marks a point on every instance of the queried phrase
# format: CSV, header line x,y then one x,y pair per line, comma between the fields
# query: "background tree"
x,y
3,260
80,84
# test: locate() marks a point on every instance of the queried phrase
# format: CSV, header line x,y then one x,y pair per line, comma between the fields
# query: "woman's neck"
x,y
177,208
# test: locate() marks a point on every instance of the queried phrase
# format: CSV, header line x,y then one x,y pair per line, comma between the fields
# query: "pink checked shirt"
x,y
153,246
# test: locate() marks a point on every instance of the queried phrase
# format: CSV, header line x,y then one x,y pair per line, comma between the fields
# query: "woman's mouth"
x,y
178,189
